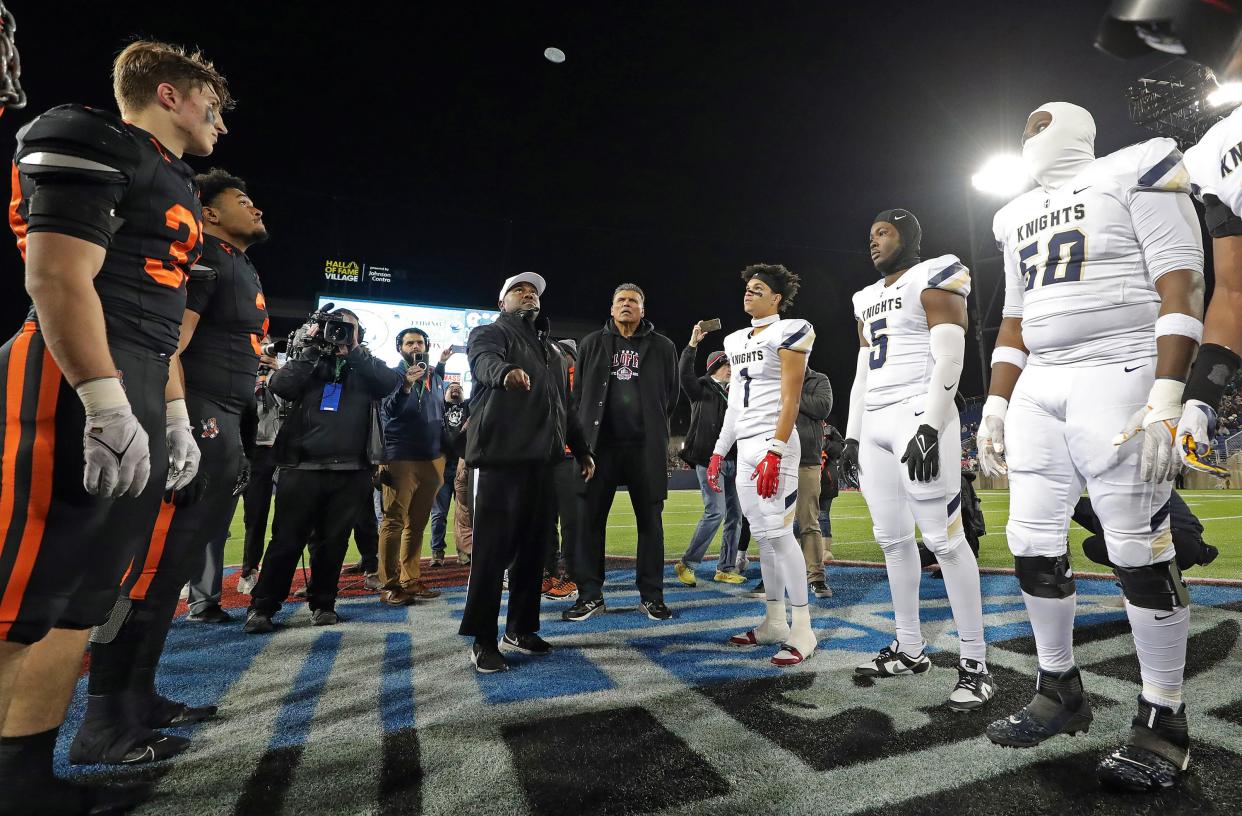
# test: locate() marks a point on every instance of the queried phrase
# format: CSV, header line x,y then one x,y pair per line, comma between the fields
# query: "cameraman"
x,y
325,450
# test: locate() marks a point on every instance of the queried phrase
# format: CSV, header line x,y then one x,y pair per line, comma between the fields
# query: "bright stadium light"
x,y
1227,95
1003,175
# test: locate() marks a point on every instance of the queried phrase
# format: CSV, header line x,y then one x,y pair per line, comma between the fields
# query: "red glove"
x,y
768,474
713,472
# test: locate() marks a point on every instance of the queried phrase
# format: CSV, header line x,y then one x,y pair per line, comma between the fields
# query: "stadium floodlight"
x,y
1229,94
1003,175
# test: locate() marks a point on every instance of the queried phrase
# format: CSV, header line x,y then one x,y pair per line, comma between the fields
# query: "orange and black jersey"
x,y
221,362
88,174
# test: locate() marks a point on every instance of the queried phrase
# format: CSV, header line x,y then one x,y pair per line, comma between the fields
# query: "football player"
x,y
108,221
1208,33
1103,310
225,319
768,363
903,445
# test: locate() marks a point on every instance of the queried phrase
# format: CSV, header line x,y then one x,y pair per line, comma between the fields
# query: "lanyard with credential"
x,y
331,399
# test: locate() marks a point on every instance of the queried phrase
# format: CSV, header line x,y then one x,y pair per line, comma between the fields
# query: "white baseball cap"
x,y
524,277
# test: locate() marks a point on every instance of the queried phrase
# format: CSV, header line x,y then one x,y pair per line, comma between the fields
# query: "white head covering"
x,y
1060,151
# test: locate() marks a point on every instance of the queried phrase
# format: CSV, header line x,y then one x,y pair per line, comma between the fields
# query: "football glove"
x,y
922,456
1195,432
243,477
713,472
190,494
990,438
115,448
1157,421
183,452
849,464
767,475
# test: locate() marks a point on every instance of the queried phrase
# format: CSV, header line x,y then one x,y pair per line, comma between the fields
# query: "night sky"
x,y
677,143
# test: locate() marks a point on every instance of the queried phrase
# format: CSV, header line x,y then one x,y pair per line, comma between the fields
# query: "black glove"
x,y
189,494
243,477
849,463
922,457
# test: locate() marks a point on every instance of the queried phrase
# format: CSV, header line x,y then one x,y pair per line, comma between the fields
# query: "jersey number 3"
x,y
1063,261
172,273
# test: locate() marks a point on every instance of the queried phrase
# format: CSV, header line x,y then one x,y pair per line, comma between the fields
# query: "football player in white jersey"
x,y
1104,292
1208,33
903,445
769,362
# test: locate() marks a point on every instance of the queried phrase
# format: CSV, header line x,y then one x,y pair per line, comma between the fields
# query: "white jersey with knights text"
x,y
755,382
894,324
1213,162
1082,261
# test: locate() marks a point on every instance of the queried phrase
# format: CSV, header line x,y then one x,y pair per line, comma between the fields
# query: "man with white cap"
x,y
1103,312
520,423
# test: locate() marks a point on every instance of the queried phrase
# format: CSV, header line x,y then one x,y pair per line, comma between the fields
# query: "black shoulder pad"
x,y
1220,220
76,131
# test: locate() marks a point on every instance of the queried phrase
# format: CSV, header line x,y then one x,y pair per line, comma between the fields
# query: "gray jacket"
x,y
815,407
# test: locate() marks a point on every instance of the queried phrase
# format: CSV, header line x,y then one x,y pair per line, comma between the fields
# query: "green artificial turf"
x,y
1219,510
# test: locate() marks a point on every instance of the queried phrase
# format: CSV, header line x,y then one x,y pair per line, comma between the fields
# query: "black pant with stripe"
x,y
63,551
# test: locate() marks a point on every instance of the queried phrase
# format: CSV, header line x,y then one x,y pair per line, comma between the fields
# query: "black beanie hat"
x,y
911,233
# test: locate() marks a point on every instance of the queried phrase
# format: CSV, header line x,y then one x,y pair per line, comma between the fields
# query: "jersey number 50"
x,y
1060,265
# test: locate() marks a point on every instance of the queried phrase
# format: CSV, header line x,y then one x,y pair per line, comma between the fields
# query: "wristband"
x,y
102,394
1213,369
1009,354
995,405
175,409
1180,324
778,447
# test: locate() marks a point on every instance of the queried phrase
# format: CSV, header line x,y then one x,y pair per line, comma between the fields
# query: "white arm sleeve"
x,y
1014,286
858,394
948,349
728,429
1167,227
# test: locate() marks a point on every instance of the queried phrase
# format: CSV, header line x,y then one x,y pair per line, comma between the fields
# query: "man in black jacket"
x,y
520,422
325,451
812,411
709,398
626,390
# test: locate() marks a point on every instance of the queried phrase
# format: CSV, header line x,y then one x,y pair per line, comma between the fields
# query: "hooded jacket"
x,y
658,387
414,420
708,402
519,427
814,408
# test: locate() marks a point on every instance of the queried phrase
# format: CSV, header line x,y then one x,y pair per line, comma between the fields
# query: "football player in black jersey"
x,y
108,221
225,319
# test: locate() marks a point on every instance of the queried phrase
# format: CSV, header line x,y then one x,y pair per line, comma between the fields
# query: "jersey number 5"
x,y
879,342
172,274
1063,261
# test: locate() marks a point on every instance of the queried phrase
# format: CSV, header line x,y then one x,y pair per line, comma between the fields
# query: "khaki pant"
x,y
407,506
463,510
807,514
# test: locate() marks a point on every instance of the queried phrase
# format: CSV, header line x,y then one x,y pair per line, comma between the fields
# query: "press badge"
x,y
331,397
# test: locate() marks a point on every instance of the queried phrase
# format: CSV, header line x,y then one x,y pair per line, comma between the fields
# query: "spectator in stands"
x,y
709,398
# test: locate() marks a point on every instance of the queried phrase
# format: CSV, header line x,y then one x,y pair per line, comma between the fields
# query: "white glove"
x,y
1194,437
990,438
183,452
1157,421
115,448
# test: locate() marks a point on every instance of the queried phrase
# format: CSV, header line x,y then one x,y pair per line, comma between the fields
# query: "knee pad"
x,y
894,545
1045,576
1158,586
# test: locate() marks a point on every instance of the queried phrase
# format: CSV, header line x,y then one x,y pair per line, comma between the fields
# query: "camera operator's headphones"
x,y
401,337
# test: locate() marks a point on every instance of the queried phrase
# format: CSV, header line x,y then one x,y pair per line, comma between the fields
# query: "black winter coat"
x,y
657,385
708,402
519,427
814,408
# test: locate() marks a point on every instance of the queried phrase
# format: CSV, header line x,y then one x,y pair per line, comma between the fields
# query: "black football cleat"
x,y
1156,754
1060,706
162,712
99,743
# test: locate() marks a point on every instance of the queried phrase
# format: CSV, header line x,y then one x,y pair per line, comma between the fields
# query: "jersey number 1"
x,y
1060,265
